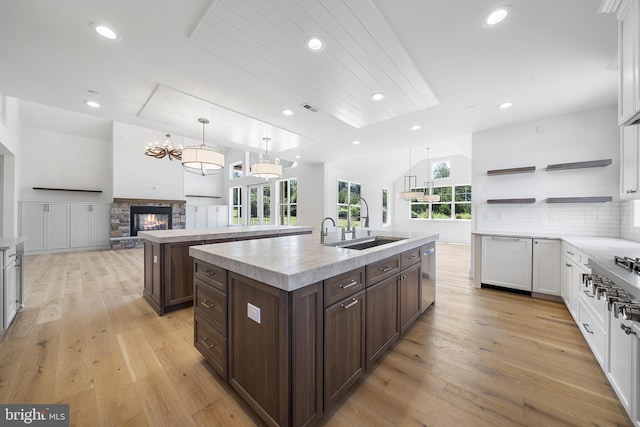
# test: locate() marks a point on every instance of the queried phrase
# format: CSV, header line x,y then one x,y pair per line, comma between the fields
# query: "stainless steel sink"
x,y
365,242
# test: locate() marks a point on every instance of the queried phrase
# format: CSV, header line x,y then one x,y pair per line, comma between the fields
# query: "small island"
x,y
292,324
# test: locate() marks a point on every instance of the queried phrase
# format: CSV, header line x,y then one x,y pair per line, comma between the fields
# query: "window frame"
x,y
285,207
452,203
354,206
385,207
233,206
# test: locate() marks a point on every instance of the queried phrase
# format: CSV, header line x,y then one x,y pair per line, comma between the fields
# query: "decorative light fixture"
x,y
427,196
202,159
408,194
265,168
165,150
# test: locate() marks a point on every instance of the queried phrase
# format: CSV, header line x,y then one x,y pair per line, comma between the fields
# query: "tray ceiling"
x,y
362,55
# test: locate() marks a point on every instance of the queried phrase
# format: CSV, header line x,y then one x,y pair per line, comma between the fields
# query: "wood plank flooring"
x,y
86,337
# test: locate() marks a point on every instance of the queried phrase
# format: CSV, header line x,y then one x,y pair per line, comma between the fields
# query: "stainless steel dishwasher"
x,y
428,276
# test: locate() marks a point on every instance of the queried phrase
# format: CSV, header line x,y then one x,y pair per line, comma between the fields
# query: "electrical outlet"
x,y
253,313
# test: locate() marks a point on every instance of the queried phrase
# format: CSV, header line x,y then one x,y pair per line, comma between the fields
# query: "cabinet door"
x,y
621,361
9,294
546,266
196,216
409,296
381,318
178,273
627,45
630,164
217,216
567,280
506,262
80,232
33,226
57,225
344,338
100,224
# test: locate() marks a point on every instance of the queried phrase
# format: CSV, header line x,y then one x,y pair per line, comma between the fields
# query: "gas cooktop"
x,y
631,264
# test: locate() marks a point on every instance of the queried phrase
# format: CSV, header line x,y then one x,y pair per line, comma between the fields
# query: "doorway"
x,y
260,204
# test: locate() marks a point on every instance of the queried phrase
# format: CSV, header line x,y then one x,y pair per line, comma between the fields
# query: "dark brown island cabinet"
x,y
168,270
300,352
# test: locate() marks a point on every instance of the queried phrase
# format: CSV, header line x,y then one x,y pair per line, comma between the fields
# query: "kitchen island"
x,y
168,268
292,324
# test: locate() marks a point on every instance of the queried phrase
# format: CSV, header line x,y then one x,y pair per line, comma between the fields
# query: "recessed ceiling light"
x,y
356,142
314,44
104,31
92,104
297,157
416,127
287,112
377,96
505,105
496,16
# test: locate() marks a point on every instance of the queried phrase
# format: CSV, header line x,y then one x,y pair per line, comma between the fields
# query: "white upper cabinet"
x,y
628,48
629,161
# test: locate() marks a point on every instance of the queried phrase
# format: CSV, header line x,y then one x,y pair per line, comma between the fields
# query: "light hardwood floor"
x,y
86,337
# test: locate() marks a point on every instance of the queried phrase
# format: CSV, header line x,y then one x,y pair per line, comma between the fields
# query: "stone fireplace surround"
x,y
119,234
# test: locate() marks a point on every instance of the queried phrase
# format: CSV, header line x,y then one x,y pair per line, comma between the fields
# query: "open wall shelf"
x,y
597,199
580,165
511,201
525,169
67,189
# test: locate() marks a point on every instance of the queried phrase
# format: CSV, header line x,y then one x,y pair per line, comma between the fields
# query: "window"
x,y
385,207
236,170
288,202
455,203
441,170
260,204
236,205
348,195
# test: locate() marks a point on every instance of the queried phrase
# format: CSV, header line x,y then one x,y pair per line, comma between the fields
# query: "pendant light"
x,y
410,182
427,196
266,168
202,159
165,150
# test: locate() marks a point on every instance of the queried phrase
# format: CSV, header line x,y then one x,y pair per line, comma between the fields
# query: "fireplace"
x,y
144,218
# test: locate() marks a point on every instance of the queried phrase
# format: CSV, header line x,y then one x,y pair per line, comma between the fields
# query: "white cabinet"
x,y
628,46
574,267
546,266
45,225
623,368
90,224
629,161
206,216
506,262
8,295
196,216
217,216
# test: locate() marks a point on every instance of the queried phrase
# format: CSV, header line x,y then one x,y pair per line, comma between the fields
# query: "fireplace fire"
x,y
144,218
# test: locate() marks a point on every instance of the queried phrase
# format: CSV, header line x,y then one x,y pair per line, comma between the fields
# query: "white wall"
x,y
455,231
589,135
62,160
310,193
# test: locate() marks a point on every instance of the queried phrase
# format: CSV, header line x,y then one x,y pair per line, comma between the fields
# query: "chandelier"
x,y
427,196
410,182
266,168
165,150
202,159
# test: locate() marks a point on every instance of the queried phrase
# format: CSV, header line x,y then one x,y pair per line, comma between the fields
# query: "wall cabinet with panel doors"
x,y
90,225
629,162
628,15
45,226
546,274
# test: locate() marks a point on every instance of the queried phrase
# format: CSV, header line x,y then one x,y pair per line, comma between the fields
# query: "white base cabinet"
x,y
546,276
90,224
506,262
45,225
206,216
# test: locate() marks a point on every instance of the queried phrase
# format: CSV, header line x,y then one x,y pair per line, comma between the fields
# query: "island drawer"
x,y
382,269
211,344
339,287
214,276
212,304
409,258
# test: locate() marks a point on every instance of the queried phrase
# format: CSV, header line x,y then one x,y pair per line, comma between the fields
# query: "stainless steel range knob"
x,y
631,312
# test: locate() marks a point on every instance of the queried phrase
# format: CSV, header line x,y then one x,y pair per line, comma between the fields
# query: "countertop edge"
x,y
167,236
9,242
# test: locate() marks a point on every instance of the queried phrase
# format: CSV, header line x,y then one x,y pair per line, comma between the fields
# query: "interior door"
x,y
260,204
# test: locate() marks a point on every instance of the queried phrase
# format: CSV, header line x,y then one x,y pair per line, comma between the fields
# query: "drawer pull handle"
x,y
586,292
385,269
204,302
627,329
570,253
412,257
568,265
353,302
205,342
348,285
586,328
208,272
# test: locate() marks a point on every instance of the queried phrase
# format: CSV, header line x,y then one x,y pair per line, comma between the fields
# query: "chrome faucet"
x,y
325,231
366,218
349,230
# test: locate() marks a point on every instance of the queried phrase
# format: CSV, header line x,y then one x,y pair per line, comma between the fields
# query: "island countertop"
x,y
230,232
293,262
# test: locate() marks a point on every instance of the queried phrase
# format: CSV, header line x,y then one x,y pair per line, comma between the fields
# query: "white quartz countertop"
x,y
293,262
9,242
231,232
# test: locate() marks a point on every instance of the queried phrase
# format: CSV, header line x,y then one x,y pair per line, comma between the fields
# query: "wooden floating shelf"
x,y
511,201
598,199
207,197
580,165
67,189
526,169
